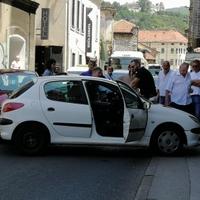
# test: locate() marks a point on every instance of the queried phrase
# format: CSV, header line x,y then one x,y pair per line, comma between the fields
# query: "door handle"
x,y
50,109
132,116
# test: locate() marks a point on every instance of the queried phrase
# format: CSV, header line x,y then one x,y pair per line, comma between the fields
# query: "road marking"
x,y
143,190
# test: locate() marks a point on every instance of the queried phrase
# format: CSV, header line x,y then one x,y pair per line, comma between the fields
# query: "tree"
x,y
145,5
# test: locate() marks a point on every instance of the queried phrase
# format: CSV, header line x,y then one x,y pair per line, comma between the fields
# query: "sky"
x,y
167,3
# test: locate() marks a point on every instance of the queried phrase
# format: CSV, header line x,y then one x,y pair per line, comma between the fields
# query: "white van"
x,y
121,59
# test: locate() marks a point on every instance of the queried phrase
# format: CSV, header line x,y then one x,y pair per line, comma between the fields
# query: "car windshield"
x,y
154,69
12,81
154,72
117,74
121,62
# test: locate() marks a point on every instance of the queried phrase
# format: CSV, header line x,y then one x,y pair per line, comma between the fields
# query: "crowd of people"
x,y
179,89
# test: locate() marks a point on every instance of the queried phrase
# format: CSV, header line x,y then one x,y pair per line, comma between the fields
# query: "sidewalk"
x,y
171,178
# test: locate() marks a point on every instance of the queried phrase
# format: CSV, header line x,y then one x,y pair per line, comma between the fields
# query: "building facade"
x,y
17,36
106,32
194,24
170,45
125,36
84,31
68,31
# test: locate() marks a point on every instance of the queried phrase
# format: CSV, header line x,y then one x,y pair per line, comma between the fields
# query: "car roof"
x,y
154,64
70,77
45,79
120,71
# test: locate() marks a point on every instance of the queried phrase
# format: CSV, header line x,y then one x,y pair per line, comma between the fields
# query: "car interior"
x,y
108,108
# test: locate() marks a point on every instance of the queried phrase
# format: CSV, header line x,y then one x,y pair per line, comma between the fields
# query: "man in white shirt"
x,y
179,86
163,79
195,93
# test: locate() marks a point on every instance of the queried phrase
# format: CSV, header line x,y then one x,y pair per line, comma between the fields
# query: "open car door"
x,y
126,123
135,123
106,100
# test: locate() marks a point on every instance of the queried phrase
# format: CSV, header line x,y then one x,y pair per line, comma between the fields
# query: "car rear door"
x,y
137,114
65,106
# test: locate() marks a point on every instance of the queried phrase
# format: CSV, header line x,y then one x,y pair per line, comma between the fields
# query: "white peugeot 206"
x,y
92,111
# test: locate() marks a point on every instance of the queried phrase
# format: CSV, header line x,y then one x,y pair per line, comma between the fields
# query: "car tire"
x,y
167,141
30,141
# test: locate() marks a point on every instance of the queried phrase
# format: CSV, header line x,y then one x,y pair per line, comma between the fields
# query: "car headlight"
x,y
195,119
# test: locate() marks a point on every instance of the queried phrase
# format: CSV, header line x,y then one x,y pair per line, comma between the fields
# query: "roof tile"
x,y
123,26
161,36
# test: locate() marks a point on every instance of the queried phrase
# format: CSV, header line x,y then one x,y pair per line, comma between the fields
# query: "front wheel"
x,y
167,142
30,140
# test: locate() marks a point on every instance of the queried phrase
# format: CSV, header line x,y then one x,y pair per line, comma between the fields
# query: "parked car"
x,y
117,73
92,111
11,79
154,69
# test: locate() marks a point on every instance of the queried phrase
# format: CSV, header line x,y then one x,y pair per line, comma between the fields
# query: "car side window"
x,y
130,97
103,93
66,91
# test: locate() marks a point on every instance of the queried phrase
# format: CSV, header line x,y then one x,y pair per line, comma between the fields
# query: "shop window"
x,y
73,14
73,59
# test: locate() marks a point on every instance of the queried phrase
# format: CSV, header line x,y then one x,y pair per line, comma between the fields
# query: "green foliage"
x,y
145,5
176,18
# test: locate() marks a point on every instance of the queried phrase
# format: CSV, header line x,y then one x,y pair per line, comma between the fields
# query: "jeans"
x,y
189,108
162,100
196,103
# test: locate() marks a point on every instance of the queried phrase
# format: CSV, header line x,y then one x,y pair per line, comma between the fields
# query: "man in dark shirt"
x,y
143,80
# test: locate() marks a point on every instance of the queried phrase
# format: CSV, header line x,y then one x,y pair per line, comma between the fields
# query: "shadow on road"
x,y
99,151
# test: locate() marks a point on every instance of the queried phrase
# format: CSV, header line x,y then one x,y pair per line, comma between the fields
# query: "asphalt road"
x,y
70,173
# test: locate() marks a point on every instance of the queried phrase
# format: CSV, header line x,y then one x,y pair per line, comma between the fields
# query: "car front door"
x,y
66,108
138,114
110,114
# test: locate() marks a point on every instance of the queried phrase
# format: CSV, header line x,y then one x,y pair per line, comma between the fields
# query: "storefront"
x,y
17,33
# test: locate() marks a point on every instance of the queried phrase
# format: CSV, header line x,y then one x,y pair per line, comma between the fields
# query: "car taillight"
x,y
12,106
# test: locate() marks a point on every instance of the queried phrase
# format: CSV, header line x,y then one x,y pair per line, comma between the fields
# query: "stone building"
x,y
170,45
125,36
17,36
106,32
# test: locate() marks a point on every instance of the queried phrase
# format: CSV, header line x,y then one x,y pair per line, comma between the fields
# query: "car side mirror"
x,y
146,105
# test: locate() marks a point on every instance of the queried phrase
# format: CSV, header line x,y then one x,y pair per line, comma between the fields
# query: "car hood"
x,y
160,114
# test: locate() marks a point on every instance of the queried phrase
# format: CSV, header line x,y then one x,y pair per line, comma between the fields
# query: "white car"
x,y
92,111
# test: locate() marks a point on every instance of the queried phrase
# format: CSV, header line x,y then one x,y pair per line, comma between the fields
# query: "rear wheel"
x,y
30,140
167,141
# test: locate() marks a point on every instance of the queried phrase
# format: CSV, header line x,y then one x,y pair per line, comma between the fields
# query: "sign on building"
x,y
45,24
192,56
88,40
